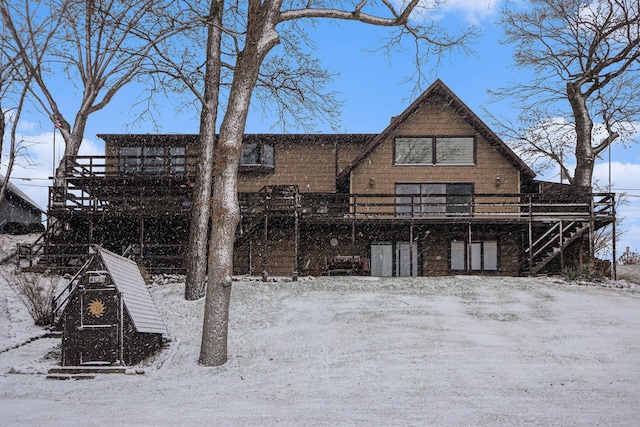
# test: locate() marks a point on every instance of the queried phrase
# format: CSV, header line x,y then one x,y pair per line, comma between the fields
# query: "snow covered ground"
x,y
360,351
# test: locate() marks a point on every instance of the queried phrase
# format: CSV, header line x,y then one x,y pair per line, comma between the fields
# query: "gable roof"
x,y
438,88
15,190
126,276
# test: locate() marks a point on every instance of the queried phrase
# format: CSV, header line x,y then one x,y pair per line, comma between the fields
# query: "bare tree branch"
x,y
586,55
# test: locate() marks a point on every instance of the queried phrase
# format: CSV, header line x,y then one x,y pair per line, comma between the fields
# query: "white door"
x,y
381,259
406,259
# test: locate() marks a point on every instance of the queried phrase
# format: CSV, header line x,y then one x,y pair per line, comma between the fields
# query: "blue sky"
x,y
373,87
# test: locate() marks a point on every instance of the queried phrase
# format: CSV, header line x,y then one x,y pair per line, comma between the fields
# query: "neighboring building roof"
x,y
15,190
137,299
440,89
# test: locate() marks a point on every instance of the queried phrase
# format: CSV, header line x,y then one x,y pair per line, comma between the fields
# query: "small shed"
x,y
109,317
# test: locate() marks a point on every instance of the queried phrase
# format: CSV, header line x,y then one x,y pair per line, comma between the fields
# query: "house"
x,y
106,313
18,212
436,192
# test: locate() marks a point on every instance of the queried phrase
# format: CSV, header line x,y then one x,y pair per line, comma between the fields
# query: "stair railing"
x,y
60,301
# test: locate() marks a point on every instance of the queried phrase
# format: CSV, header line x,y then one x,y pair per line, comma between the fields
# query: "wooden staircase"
x,y
550,245
270,202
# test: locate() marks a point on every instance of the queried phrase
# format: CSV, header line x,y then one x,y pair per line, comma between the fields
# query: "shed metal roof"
x,y
137,299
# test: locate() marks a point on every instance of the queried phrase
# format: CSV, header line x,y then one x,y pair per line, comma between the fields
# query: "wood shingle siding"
x,y
309,166
435,117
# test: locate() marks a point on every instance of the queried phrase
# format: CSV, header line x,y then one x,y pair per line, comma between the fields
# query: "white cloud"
x,y
474,11
624,179
624,176
630,238
27,126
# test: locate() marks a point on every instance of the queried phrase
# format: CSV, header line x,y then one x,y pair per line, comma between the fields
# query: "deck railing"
x,y
130,166
597,206
155,200
170,197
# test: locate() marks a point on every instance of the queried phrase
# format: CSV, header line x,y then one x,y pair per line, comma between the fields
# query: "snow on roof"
x,y
15,190
137,299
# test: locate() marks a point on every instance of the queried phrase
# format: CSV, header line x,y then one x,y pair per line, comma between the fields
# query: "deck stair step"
x,y
71,376
88,372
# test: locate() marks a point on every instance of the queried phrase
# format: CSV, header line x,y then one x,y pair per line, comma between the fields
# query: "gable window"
x,y
428,199
434,150
257,155
474,256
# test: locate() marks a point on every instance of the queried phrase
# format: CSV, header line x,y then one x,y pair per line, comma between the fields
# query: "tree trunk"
x,y
225,212
72,141
585,156
198,229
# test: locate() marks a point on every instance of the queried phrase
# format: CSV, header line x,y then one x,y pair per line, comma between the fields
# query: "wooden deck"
x,y
99,202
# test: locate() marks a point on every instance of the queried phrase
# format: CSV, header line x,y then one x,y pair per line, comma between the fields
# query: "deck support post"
x,y
561,237
469,237
265,235
353,235
530,235
614,271
411,272
250,260
141,240
591,234
296,243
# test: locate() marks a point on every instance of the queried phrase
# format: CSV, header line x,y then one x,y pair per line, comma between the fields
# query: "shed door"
x,y
99,326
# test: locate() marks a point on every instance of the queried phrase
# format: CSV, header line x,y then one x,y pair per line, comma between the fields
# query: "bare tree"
x,y
584,55
14,87
290,85
92,43
261,31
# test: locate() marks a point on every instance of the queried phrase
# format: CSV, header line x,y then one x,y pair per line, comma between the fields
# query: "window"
x,y
251,154
152,159
425,199
414,151
257,154
130,159
434,151
475,256
177,159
